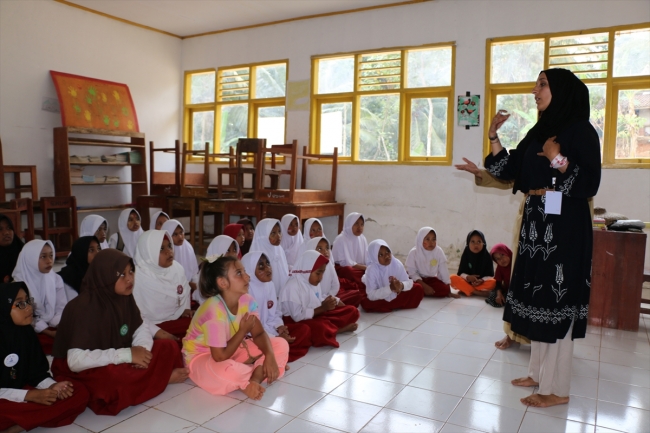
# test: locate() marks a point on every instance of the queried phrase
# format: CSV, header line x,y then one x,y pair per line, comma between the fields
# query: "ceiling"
x,y
183,18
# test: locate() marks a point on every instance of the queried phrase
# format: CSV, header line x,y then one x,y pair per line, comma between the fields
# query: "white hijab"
x,y
220,245
308,224
377,274
274,254
330,283
154,217
348,249
425,262
290,244
184,253
129,238
90,225
42,287
264,294
162,294
299,291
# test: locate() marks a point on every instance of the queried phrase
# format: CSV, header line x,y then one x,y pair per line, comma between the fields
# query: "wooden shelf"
x,y
119,164
85,142
107,183
77,130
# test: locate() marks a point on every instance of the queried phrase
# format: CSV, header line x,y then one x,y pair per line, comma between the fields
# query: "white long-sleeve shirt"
x,y
386,293
18,395
299,301
50,315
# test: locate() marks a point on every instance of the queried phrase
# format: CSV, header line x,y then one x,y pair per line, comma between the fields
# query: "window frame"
x,y
405,94
613,85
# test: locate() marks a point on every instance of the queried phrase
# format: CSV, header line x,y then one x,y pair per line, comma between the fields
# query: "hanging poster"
x,y
469,110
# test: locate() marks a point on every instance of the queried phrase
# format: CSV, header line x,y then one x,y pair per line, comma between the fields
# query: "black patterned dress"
x,y
552,275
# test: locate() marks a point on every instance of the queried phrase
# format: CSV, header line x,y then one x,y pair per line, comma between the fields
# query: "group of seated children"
x,y
121,325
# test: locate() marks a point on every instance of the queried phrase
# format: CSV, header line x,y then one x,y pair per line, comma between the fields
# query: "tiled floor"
x,y
433,369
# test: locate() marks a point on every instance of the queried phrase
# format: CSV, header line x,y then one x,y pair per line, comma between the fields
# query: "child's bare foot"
x,y
539,400
349,328
14,429
179,375
504,343
524,381
254,390
454,295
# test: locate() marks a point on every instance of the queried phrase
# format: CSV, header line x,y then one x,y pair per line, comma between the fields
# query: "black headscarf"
x,y
76,264
9,254
476,263
32,366
247,243
569,105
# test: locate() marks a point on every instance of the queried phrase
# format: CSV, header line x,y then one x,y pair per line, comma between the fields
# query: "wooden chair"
x,y
192,184
19,188
163,182
646,279
247,148
59,223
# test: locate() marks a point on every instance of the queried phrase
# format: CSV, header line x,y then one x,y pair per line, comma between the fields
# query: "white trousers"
x,y
550,365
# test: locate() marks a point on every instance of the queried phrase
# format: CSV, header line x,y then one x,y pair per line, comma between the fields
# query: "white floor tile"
x,y
640,335
487,323
342,338
513,355
590,353
425,403
503,372
624,394
480,335
625,345
623,418
629,375
317,378
498,392
461,308
579,409
584,367
451,317
202,429
426,341
341,413
72,428
438,328
538,423
197,405
343,361
489,417
613,356
294,366
589,340
458,363
383,333
390,421
288,399
470,348
170,392
301,426
245,418
153,421
97,423
368,390
584,386
453,428
399,322
409,355
314,353
415,313
365,346
391,371
445,382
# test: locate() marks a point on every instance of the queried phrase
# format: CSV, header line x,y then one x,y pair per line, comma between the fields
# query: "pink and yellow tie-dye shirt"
x,y
211,327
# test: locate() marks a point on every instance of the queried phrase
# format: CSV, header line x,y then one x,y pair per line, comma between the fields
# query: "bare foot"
x,y
504,343
349,328
254,390
14,429
539,400
179,375
524,381
287,367
454,295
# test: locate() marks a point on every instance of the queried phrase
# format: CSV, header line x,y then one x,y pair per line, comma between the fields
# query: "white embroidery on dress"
x,y
559,279
568,183
532,234
497,168
536,288
548,237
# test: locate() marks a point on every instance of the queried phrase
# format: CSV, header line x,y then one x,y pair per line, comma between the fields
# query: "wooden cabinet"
x,y
106,143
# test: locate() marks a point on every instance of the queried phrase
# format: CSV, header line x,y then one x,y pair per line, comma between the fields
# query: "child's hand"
x,y
329,303
500,299
49,332
247,323
164,335
395,285
63,389
41,396
340,304
477,282
470,279
187,313
270,368
140,357
287,337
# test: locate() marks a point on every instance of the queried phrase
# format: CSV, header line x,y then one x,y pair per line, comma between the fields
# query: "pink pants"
x,y
220,378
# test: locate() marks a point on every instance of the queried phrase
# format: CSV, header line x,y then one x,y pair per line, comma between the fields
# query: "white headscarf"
x,y
162,294
422,263
42,287
154,217
274,254
307,228
299,297
264,294
330,284
129,238
90,225
220,245
290,244
377,274
348,249
184,253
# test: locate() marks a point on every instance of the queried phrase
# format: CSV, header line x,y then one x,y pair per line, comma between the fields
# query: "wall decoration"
x,y
298,95
92,103
469,110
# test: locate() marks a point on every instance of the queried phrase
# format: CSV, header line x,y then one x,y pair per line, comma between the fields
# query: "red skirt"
x,y
115,387
178,328
351,275
441,290
302,343
349,292
31,415
408,299
324,327
47,342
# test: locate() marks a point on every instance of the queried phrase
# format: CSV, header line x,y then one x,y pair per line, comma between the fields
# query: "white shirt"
x,y
18,395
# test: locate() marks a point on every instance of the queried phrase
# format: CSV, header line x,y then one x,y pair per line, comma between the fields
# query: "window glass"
x,y
428,127
270,81
584,55
429,68
633,124
202,129
381,71
336,75
202,88
632,53
336,128
517,62
235,84
234,125
270,124
379,127
523,116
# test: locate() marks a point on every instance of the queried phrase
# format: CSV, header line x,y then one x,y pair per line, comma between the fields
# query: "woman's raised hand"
x,y
470,167
497,121
551,148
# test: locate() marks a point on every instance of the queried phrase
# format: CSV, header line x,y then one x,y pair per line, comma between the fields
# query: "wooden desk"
x,y
617,279
210,207
305,211
184,206
242,208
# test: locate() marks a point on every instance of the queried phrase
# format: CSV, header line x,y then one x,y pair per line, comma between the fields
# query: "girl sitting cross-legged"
x,y
183,251
349,250
475,272
129,230
291,238
222,245
267,239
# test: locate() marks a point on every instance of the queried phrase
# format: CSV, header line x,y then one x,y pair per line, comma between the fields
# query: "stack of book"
x,y
76,174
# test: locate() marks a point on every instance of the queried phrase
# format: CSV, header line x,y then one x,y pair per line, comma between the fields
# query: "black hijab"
x,y
476,263
569,105
76,264
9,254
32,366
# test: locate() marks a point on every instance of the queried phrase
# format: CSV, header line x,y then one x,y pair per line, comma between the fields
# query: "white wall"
x,y
39,36
401,199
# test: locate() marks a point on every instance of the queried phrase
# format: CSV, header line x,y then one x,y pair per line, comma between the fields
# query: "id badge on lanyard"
x,y
553,202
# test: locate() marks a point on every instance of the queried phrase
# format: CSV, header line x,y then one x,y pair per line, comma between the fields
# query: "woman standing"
x,y
557,166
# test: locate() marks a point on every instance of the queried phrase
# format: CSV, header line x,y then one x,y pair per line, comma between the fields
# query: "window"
x,y
614,63
243,101
387,106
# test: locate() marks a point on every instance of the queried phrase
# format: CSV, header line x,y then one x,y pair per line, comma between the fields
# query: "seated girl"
x,y
104,343
34,268
502,256
249,232
236,231
161,290
291,238
267,239
157,220
95,225
222,245
10,248
349,250
183,251
261,288
83,252
346,293
302,301
426,264
313,228
128,232
388,286
29,397
219,356
475,273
